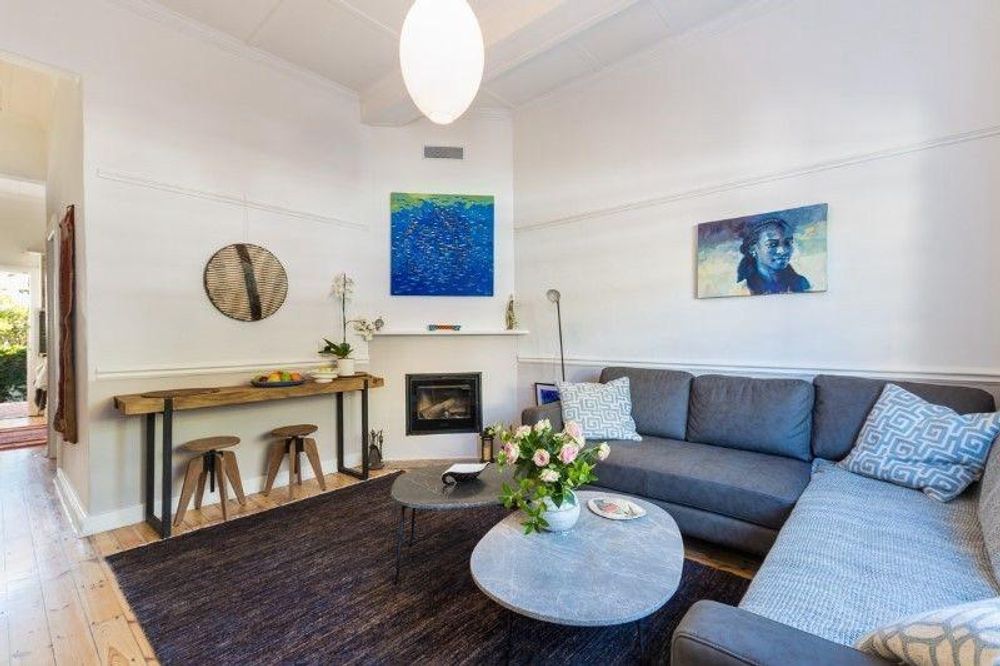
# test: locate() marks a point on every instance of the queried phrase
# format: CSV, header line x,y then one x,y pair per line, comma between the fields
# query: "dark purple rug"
x,y
311,583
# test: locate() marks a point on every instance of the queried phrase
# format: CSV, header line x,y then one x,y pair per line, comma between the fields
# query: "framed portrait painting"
x,y
781,252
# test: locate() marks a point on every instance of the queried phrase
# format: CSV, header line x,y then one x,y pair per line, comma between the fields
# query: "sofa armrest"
x,y
552,411
713,634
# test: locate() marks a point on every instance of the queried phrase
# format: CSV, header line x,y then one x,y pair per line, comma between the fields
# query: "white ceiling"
x,y
533,46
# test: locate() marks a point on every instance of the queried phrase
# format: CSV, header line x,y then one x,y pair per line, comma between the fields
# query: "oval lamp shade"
x,y
441,54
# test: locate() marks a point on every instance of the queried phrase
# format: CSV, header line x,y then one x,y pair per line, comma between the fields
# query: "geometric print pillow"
x,y
604,411
963,635
910,442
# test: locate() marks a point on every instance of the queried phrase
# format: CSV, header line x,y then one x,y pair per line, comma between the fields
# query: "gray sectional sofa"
x,y
745,463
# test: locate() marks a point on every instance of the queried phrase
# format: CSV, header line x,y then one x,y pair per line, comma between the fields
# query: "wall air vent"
x,y
444,152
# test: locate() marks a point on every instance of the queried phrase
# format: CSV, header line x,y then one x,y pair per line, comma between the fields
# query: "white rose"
x,y
522,432
603,451
543,425
548,476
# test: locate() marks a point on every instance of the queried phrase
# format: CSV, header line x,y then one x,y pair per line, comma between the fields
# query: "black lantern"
x,y
486,452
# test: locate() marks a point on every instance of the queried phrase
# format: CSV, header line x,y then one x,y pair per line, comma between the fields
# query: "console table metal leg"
x,y
150,471
364,431
400,532
413,525
340,433
167,472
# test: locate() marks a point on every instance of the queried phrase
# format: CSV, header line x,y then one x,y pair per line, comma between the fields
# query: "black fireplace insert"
x,y
444,403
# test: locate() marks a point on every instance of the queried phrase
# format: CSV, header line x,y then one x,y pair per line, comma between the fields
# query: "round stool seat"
x,y
206,444
300,430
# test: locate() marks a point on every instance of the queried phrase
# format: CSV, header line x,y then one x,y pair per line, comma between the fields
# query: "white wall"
x,y
192,143
887,111
22,221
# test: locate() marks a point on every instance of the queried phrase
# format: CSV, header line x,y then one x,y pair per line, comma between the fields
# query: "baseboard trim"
x,y
949,375
70,501
87,524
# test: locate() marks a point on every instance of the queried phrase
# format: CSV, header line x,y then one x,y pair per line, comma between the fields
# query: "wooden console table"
x,y
168,402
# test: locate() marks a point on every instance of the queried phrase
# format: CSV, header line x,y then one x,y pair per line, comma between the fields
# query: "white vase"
x,y
561,518
345,366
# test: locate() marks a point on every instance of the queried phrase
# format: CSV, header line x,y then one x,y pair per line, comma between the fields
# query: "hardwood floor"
x,y
59,601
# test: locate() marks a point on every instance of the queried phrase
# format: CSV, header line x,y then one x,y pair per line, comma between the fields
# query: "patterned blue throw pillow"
x,y
604,411
911,442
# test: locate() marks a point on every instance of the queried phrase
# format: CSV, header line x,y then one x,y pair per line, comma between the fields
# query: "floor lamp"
x,y
554,296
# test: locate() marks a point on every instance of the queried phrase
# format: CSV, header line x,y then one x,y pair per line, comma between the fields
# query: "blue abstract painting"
x,y
442,245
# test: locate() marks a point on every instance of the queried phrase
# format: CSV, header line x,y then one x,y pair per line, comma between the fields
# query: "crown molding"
x,y
795,172
166,16
241,202
943,375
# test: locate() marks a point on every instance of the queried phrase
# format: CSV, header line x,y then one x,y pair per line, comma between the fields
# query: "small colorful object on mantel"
x,y
444,327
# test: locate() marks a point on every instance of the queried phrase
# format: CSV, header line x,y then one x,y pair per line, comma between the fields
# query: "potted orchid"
x,y
343,291
548,466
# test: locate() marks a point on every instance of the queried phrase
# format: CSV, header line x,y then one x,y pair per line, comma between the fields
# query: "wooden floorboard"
x,y
59,601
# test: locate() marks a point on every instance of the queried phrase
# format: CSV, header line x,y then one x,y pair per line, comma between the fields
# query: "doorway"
x,y
22,395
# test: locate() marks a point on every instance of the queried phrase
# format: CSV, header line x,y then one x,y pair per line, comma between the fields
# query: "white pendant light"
x,y
441,53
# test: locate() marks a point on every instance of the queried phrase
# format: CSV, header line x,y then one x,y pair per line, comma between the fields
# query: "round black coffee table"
x,y
423,490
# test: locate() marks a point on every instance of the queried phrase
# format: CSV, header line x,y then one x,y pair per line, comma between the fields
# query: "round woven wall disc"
x,y
245,282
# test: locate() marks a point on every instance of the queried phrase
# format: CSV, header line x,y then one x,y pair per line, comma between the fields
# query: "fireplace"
x,y
445,403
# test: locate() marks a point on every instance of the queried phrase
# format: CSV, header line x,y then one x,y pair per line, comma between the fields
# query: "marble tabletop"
x,y
423,489
601,572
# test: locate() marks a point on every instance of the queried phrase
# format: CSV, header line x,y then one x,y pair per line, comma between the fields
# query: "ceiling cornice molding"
x,y
166,16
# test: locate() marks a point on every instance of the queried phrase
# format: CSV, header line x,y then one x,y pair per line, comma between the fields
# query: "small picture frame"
x,y
546,393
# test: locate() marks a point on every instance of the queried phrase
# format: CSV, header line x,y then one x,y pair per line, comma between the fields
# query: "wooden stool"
x,y
294,442
213,464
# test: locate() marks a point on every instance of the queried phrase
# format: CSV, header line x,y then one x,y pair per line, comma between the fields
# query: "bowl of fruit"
x,y
277,379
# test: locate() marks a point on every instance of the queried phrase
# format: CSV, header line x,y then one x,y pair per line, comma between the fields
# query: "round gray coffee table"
x,y
423,490
602,572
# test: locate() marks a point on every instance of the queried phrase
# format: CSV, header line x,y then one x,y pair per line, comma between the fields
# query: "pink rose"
x,y
568,453
574,430
541,457
510,452
603,451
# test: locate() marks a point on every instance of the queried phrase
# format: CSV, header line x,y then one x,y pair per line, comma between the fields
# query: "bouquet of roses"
x,y
548,465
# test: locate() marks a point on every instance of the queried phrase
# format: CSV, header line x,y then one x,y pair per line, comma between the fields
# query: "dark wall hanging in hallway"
x,y
245,282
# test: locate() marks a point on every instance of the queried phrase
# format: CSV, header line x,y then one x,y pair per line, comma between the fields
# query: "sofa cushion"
x,y
601,410
763,415
911,442
858,553
843,404
754,487
659,399
989,509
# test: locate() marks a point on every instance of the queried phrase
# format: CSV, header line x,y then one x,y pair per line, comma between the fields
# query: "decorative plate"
x,y
277,384
461,472
616,508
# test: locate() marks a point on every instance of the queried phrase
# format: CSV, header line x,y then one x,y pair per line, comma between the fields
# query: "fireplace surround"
x,y
444,403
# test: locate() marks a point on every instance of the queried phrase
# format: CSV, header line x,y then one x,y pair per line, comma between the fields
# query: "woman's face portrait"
x,y
782,252
774,248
